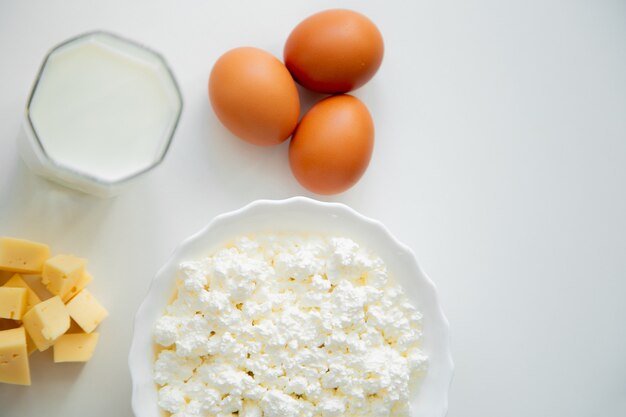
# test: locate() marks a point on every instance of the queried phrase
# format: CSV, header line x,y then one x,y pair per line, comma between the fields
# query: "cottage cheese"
x,y
288,325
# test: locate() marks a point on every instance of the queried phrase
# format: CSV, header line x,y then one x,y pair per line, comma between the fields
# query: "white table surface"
x,y
500,159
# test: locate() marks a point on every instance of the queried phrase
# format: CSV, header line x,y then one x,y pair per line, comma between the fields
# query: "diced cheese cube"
x,y
6,324
30,345
12,303
18,255
85,279
13,357
46,322
86,311
75,347
61,273
16,281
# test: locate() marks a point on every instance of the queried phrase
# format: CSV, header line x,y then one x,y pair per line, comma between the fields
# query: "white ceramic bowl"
x,y
300,214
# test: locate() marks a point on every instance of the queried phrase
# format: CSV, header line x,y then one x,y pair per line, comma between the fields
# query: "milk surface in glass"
x,y
103,108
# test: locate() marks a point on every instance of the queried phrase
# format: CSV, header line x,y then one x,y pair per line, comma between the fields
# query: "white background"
x,y
500,159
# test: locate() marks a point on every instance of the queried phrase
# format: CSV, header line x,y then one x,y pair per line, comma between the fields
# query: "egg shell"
x,y
254,96
334,51
332,146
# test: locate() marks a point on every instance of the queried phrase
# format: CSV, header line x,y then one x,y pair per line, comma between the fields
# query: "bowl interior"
x,y
305,216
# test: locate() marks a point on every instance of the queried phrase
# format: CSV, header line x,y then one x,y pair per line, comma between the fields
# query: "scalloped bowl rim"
x,y
431,399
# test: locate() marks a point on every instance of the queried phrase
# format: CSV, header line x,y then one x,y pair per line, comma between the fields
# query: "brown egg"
x,y
334,51
332,145
254,96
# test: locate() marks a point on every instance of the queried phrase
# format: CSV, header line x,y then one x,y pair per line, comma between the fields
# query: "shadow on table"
x,y
38,209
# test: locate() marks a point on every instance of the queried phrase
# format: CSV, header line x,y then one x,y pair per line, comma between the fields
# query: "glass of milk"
x,y
102,112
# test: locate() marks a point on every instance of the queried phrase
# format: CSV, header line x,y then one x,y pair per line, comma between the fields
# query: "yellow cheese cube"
x,y
17,281
85,279
75,347
61,273
13,357
18,255
46,322
12,303
86,311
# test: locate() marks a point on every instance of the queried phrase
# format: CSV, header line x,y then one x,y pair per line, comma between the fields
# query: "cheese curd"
x,y
279,325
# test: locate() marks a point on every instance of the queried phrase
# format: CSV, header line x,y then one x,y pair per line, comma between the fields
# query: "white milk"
x,y
104,108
